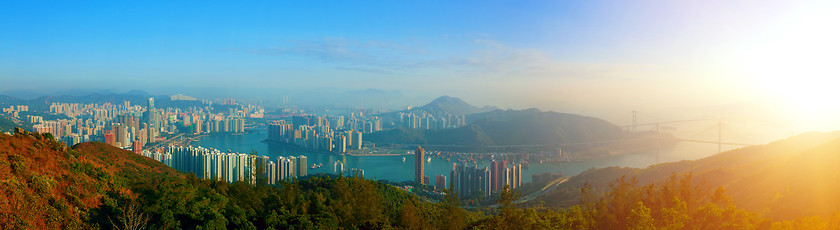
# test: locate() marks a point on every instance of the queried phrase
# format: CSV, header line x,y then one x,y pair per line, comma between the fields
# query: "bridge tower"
x,y
720,138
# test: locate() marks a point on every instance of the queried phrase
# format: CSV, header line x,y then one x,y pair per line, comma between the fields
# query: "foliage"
x,y
98,186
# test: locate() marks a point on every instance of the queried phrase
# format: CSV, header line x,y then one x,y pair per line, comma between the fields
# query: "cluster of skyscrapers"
x,y
230,167
419,119
126,125
472,180
324,134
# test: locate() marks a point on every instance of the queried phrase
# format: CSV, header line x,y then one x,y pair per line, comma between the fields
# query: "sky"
x,y
675,59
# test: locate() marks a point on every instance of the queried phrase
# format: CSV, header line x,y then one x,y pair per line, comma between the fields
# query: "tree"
x,y
129,215
410,216
640,218
451,215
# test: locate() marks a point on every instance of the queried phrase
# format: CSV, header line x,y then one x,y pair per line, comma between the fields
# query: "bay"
x,y
394,168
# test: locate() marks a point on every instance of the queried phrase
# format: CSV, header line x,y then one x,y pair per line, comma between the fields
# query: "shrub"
x,y
18,163
41,184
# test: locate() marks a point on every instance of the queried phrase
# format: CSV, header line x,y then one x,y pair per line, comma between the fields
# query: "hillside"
x,y
93,185
510,127
6,101
47,186
6,125
787,178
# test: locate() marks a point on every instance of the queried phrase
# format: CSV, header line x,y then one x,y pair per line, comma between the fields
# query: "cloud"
x,y
371,54
481,59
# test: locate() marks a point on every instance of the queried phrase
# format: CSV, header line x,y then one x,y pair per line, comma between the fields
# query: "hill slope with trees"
x,y
511,127
95,186
784,179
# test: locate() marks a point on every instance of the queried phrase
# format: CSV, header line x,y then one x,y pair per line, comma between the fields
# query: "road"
x,y
543,191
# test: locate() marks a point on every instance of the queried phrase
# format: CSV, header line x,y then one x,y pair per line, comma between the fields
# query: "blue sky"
x,y
118,42
589,57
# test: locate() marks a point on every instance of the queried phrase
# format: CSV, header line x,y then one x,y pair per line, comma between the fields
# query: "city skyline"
x,y
636,114
548,55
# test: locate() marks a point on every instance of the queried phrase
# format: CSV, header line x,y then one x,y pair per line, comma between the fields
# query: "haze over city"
x,y
595,58
638,114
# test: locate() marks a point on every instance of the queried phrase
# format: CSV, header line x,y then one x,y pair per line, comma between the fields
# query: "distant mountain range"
x,y
793,177
502,127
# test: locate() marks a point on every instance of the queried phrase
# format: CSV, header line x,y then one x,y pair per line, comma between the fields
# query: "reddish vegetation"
x,y
114,160
46,186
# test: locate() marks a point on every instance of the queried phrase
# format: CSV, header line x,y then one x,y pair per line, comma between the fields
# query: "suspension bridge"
x,y
656,126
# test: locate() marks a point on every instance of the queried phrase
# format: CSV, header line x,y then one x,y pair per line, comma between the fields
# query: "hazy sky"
x,y
591,57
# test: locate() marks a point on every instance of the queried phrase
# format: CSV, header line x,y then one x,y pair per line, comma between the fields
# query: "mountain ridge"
x,y
451,105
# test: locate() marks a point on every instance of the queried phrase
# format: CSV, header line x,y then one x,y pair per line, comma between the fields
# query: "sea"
x,y
397,169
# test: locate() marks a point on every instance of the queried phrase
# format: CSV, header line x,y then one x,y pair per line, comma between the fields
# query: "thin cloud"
x,y
487,59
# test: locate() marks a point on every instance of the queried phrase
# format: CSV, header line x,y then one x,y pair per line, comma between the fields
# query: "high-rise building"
x,y
419,165
470,180
151,120
110,138
277,131
301,166
136,146
440,182
358,140
497,170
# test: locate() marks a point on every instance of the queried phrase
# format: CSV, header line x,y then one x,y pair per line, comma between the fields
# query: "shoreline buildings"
x,y
474,181
208,163
323,134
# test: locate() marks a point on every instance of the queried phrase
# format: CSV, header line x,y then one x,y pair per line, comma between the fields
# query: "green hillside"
x,y
6,125
510,127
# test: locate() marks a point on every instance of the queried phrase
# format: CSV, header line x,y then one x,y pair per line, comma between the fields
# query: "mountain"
x,y
138,93
534,127
23,93
789,178
6,101
452,105
509,127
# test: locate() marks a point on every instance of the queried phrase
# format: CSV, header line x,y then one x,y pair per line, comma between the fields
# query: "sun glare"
x,y
796,66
